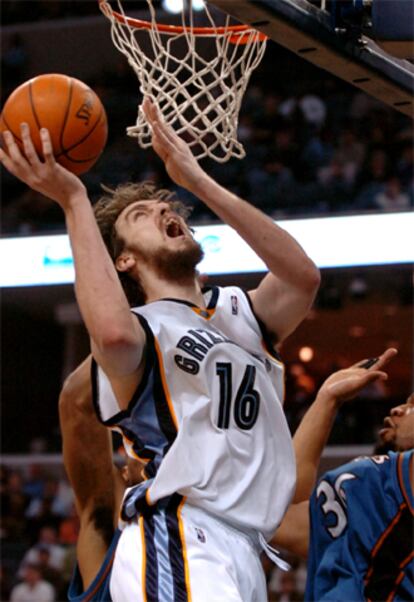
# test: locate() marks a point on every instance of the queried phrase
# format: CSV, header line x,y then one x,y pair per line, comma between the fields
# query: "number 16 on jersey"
x,y
246,402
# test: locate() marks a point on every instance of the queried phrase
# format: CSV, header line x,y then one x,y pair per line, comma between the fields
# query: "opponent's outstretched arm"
x,y
285,295
117,339
310,439
88,460
314,430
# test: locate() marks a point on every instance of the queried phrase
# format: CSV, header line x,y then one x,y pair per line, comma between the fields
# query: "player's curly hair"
x,y
110,206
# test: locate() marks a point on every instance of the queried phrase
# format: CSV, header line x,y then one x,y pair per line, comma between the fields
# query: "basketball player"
x,y
99,488
97,485
357,529
192,380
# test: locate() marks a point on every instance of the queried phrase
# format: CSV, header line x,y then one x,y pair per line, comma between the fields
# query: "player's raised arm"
x,y
315,427
285,295
117,339
87,455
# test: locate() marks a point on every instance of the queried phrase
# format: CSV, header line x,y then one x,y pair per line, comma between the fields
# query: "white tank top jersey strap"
x,y
207,417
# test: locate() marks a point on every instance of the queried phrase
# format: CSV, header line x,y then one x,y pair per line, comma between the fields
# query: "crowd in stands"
x,y
38,533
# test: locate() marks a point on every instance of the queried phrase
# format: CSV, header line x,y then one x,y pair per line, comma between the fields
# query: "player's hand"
x,y
346,384
180,163
47,176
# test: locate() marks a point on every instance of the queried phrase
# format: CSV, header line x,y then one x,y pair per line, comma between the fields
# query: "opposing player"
x,y
96,483
191,380
98,486
358,528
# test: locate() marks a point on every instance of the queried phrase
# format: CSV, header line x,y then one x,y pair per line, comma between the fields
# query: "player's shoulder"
x,y
363,467
230,297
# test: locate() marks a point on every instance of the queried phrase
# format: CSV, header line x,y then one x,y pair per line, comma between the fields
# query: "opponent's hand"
x,y
47,177
180,163
346,384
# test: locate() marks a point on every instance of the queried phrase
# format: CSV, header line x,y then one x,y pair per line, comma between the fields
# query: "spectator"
x,y
314,110
391,197
14,502
405,164
372,177
33,588
336,182
69,528
34,483
49,573
350,153
47,539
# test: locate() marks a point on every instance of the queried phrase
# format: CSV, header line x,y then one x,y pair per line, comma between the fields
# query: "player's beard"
x,y
177,265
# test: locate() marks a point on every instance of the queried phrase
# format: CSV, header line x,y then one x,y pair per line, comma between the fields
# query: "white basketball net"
x,y
197,81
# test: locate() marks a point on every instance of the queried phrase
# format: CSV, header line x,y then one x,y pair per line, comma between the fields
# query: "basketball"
x,y
69,109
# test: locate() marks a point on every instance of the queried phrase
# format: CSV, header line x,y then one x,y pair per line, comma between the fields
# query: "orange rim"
x,y
239,33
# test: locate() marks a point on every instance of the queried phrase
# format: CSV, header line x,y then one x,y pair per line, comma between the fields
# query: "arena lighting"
x,y
176,6
356,240
306,354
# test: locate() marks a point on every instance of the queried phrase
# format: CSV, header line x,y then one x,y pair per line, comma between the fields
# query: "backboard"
x,y
338,36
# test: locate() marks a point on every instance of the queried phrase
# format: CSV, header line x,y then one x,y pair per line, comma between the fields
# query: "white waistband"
x,y
254,538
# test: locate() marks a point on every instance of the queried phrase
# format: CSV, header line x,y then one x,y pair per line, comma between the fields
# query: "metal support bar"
x,y
306,30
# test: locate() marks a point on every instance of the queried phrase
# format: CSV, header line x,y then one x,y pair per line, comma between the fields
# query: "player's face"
x,y
152,225
399,426
156,235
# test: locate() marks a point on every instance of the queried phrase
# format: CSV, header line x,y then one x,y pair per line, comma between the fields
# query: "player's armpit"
x,y
293,532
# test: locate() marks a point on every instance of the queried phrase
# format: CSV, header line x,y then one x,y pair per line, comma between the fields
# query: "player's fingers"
x,y
47,148
385,358
146,108
7,161
168,131
367,363
153,110
29,149
377,362
161,136
376,374
159,146
149,109
156,119
12,148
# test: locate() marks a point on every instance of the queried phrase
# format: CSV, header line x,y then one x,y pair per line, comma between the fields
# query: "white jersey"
x,y
207,417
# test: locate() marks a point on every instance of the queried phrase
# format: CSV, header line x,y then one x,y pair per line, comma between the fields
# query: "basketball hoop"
x,y
197,76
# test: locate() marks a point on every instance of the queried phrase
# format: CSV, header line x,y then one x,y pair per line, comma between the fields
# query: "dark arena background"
x,y
316,147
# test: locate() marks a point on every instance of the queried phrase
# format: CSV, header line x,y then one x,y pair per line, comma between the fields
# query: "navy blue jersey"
x,y
98,591
361,542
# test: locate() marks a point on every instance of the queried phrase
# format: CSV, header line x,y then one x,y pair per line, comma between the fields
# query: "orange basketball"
x,y
69,109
